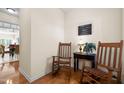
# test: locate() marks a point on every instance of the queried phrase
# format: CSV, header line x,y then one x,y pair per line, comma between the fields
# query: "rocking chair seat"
x,y
96,72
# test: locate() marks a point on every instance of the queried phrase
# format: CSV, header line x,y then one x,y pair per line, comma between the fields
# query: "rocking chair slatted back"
x,y
110,55
64,50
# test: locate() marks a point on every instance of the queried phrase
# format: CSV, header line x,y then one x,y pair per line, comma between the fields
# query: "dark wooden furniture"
x,y
63,59
13,49
2,50
17,49
109,64
80,55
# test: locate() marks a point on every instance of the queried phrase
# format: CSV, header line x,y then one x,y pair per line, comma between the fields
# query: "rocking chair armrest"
x,y
112,69
69,57
109,68
55,57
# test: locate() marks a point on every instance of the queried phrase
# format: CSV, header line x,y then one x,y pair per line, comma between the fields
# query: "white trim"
x,y
31,78
22,71
37,76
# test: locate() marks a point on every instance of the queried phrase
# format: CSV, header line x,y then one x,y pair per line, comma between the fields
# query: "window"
x,y
9,33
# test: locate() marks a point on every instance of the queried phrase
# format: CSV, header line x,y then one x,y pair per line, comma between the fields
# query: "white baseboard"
x,y
22,71
36,76
31,78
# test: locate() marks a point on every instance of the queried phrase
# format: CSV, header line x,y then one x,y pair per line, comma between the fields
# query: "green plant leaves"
x,y
89,47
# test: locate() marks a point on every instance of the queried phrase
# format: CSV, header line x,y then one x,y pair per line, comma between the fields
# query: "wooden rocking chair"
x,y
108,65
63,60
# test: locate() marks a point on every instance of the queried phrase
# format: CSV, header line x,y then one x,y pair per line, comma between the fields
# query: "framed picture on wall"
x,y
85,29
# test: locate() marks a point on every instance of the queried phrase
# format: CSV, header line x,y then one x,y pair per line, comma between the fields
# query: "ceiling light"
x,y
11,10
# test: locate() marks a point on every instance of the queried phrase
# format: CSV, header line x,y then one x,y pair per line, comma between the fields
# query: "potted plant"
x,y
89,47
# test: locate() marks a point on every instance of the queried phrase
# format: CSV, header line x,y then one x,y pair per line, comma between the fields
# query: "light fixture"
x,y
80,44
11,10
80,47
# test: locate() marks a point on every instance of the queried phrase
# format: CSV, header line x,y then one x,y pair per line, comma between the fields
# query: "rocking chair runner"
x,y
63,59
109,64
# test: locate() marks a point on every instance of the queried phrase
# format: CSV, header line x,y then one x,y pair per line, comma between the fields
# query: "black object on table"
x,y
80,55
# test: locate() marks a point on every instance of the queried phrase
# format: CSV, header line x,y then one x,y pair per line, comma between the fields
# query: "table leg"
x,y
74,64
93,63
77,63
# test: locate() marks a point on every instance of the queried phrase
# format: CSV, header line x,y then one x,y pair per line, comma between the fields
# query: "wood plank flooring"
x,y
9,74
60,78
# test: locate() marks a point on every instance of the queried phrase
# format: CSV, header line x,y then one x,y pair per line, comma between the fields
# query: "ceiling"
x,y
66,10
4,10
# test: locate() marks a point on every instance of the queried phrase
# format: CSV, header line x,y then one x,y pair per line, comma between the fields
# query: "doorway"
x,y
9,42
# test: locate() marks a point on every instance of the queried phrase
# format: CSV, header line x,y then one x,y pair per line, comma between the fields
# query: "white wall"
x,y
106,25
9,18
123,23
123,47
47,30
39,39
25,44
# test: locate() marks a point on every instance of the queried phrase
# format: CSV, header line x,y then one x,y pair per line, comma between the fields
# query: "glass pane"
x,y
0,41
1,29
16,30
1,24
6,25
13,26
18,27
11,30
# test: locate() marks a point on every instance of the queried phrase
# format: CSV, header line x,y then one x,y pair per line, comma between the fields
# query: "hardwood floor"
x,y
9,74
60,78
